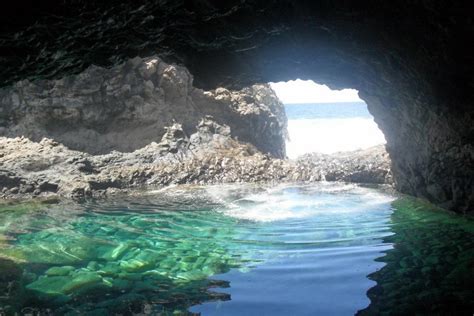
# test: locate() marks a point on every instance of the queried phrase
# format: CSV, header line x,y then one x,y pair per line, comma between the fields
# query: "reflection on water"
x,y
430,270
237,250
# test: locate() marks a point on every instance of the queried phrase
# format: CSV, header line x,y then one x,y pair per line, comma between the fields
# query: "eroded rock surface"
x,y
210,155
128,106
371,165
410,60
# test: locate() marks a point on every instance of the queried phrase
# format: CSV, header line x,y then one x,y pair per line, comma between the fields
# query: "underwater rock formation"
x,y
211,155
128,106
409,60
424,273
108,265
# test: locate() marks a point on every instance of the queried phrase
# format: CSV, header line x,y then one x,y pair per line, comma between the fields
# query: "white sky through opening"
x,y
307,91
322,134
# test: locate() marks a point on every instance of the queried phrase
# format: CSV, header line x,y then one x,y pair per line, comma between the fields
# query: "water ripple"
x,y
291,246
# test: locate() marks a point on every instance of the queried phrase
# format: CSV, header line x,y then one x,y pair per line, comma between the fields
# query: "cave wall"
x,y
411,61
128,106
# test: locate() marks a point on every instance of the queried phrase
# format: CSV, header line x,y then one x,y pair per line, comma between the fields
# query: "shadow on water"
x,y
430,270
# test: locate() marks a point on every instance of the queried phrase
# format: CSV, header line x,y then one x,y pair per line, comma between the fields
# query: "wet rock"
x,y
82,281
62,285
52,285
59,271
116,252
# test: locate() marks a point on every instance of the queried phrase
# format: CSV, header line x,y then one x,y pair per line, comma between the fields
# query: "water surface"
x,y
330,127
324,249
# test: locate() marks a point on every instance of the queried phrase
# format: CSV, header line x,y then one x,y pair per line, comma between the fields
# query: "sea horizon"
x,y
333,127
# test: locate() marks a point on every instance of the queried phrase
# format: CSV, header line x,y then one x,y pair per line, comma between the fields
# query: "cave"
x,y
410,61
144,169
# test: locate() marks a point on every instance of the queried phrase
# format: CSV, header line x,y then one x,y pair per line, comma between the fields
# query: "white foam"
x,y
255,203
332,135
265,208
275,204
285,201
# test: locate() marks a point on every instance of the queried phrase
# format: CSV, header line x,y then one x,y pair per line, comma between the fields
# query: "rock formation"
x,y
127,107
211,155
410,60
142,123
371,165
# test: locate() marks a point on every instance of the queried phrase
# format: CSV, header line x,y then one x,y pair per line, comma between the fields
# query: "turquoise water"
x,y
324,249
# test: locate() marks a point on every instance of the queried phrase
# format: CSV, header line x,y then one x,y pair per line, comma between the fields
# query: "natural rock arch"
x,y
410,61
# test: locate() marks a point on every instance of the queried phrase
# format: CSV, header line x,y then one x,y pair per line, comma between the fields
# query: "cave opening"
x,y
143,159
326,121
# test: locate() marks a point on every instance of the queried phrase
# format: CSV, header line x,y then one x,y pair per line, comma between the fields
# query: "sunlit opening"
x,y
324,120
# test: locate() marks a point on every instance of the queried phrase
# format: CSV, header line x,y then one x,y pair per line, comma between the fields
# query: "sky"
x,y
307,91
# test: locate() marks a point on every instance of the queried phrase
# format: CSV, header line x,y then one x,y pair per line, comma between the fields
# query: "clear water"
x,y
333,127
324,249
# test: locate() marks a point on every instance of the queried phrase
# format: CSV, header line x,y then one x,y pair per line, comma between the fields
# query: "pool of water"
x,y
323,249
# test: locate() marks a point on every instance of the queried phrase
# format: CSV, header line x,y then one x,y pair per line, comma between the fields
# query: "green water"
x,y
327,249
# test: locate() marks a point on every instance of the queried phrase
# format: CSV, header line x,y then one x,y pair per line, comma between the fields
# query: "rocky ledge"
x,y
210,155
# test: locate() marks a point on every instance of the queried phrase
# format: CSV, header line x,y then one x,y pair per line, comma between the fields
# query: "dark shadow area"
x,y
430,270
11,288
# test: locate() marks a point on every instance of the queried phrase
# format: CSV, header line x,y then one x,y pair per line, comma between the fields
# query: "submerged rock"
x,y
63,285
59,271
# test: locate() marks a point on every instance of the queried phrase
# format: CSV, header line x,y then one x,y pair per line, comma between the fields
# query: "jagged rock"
x,y
371,165
127,107
210,155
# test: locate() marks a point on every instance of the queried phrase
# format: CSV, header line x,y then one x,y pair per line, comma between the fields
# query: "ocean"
x,y
330,127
